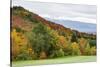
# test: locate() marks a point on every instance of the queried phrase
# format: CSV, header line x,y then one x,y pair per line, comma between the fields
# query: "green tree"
x,y
87,50
41,40
74,37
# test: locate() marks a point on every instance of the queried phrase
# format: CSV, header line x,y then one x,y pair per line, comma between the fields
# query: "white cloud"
x,y
75,12
85,20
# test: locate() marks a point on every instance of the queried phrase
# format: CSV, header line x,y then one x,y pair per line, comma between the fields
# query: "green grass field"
x,y
75,59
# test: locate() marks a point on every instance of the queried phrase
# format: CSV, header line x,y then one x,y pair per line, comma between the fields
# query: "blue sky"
x,y
74,12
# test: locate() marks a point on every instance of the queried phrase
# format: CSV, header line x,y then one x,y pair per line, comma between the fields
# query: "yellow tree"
x,y
62,41
75,49
19,43
82,43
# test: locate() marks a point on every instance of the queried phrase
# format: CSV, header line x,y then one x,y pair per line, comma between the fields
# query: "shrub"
x,y
68,51
43,55
23,56
57,53
93,50
60,53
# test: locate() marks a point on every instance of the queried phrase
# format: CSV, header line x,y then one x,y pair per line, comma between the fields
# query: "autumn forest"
x,y
35,38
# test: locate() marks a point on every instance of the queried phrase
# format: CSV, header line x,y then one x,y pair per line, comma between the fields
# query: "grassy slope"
x,y
76,59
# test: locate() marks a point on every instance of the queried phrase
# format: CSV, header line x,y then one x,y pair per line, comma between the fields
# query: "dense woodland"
x,y
33,37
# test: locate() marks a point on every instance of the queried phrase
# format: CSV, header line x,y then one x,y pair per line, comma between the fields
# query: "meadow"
x,y
63,60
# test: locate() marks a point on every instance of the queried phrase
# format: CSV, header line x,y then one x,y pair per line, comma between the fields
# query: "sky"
x,y
65,11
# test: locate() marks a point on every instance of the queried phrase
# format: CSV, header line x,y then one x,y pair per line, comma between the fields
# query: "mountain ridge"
x,y
51,24
80,26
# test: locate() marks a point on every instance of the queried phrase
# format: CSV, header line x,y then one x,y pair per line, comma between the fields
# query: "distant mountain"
x,y
76,25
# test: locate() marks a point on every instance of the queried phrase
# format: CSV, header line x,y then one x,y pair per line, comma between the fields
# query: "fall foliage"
x,y
33,37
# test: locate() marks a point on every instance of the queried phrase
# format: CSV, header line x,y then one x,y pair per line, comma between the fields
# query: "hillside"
x,y
32,17
18,19
31,33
